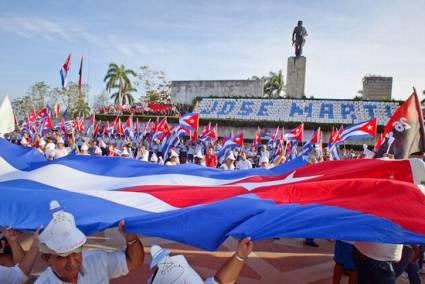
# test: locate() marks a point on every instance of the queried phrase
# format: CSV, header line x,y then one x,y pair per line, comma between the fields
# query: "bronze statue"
x,y
298,38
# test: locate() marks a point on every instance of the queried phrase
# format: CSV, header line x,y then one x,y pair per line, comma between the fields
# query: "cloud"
x,y
31,27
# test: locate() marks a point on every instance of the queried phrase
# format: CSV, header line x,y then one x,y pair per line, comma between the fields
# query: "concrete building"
x,y
295,77
377,88
184,92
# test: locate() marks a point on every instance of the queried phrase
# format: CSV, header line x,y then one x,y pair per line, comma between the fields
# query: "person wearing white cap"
x,y
243,163
25,140
24,261
199,158
367,153
41,145
142,153
61,244
176,269
84,150
60,151
229,164
98,151
125,153
154,158
174,159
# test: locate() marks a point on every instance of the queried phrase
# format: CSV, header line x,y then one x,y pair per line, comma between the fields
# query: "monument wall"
x,y
296,110
377,88
184,92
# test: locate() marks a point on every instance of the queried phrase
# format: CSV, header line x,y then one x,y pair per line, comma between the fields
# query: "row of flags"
x,y
404,127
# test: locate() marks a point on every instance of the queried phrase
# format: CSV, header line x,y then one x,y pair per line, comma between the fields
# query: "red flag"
x,y
57,110
136,126
316,137
239,139
92,119
257,138
80,73
404,133
106,128
119,128
96,129
129,122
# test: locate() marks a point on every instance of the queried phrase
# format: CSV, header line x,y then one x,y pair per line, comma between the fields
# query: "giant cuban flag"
x,y
368,200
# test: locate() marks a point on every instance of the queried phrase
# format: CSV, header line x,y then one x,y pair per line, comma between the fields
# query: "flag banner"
x,y
7,118
368,200
64,71
80,77
404,133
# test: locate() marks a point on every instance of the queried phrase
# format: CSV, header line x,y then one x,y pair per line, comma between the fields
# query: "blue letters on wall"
x,y
264,108
246,108
228,106
327,109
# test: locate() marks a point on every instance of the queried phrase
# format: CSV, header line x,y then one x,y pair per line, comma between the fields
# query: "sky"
x,y
215,39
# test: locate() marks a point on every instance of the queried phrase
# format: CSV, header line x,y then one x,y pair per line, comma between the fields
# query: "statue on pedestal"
x,y
298,40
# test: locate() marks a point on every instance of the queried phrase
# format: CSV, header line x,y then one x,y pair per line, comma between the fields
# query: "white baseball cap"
x,y
173,269
231,156
61,236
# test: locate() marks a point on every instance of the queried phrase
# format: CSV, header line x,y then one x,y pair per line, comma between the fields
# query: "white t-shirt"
x,y
379,251
59,153
418,170
143,156
243,165
225,167
98,267
11,275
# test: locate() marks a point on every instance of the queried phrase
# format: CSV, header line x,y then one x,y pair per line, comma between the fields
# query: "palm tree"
x,y
274,85
124,97
117,77
81,108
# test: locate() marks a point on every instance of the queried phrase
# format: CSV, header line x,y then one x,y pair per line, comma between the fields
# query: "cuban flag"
x,y
92,124
228,146
353,200
128,129
210,135
173,140
295,134
257,138
363,130
64,71
190,120
273,139
314,140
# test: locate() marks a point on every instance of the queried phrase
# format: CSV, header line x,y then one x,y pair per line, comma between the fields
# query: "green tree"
x,y
38,93
274,85
102,100
22,106
117,77
156,87
80,108
124,96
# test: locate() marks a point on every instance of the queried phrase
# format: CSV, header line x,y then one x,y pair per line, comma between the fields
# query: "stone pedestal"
x,y
295,77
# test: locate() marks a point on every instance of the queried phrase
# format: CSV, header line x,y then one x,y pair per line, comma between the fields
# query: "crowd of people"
x,y
61,242
56,145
